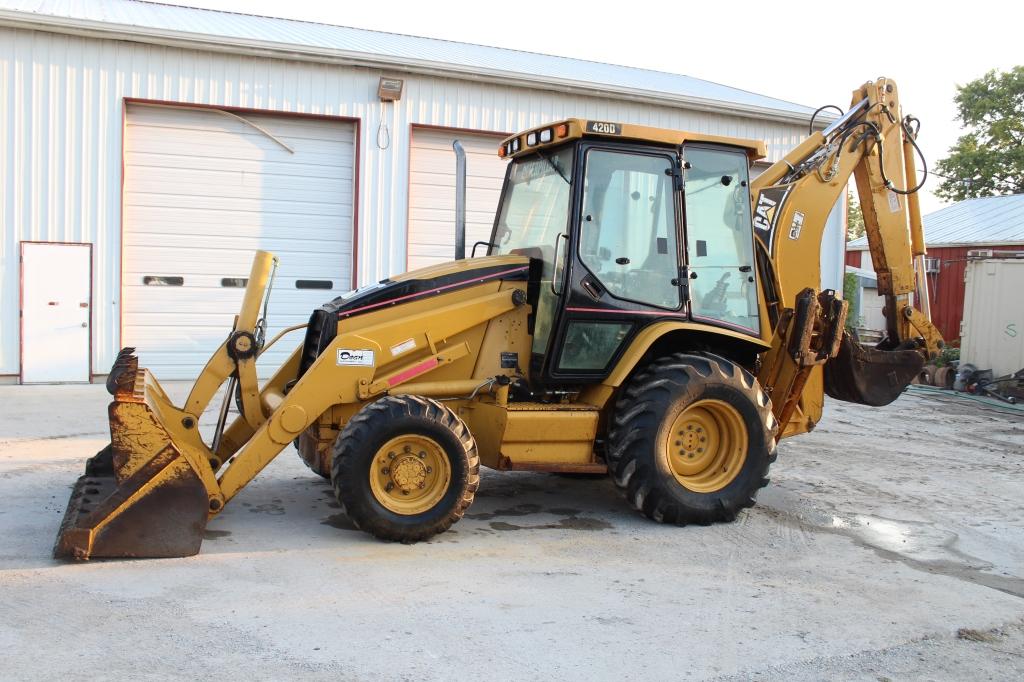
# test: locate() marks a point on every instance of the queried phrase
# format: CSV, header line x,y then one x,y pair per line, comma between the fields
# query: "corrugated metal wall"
x,y
61,123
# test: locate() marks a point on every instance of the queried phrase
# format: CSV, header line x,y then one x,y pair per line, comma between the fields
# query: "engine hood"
x,y
456,267
428,281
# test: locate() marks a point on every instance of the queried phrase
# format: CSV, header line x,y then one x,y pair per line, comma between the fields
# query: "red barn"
x,y
995,223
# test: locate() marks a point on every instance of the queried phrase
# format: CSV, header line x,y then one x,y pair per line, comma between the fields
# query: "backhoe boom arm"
x,y
791,201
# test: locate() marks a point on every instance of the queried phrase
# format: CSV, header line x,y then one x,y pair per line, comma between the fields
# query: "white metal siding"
x,y
432,193
202,192
61,100
312,41
992,330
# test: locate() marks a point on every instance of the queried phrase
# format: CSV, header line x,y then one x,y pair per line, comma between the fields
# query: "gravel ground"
x,y
889,546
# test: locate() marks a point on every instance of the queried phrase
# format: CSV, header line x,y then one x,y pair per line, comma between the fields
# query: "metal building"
x,y
992,223
148,149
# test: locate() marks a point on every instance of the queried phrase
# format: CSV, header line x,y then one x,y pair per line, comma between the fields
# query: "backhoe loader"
x,y
642,309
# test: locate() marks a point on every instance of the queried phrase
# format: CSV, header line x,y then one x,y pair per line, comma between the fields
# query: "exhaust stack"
x,y
460,200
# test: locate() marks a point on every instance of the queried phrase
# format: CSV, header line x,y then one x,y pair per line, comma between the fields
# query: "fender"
x,y
599,394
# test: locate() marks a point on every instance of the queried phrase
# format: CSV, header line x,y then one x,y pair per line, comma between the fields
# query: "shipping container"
x,y
992,331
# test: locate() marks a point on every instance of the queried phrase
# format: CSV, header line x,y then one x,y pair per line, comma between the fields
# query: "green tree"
x,y
989,159
854,219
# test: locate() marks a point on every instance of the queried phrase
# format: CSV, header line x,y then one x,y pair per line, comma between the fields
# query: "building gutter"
x,y
260,48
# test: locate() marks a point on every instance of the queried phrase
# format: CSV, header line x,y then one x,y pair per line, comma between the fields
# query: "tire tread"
x,y
635,423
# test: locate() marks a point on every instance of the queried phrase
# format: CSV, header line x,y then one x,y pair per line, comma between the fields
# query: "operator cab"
x,y
627,226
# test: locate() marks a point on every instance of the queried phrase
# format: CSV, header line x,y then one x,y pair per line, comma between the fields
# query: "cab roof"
x,y
570,129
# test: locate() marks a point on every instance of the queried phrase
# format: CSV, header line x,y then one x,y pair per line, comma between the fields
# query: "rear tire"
x,y
405,468
692,438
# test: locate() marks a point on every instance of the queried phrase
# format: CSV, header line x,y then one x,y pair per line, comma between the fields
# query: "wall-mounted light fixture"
x,y
390,89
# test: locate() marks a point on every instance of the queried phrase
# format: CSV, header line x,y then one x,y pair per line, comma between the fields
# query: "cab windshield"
x,y
535,207
534,212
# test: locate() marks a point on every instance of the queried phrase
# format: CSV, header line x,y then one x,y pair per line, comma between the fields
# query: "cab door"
x,y
624,269
720,238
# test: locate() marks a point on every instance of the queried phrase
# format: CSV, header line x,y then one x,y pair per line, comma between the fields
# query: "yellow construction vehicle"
x,y
643,309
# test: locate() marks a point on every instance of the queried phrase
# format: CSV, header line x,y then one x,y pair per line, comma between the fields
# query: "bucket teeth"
x,y
122,372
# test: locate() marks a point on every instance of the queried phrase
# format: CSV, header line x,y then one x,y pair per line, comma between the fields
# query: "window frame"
x,y
689,266
677,219
628,331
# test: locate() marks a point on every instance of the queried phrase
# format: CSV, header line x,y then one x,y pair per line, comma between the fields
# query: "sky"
x,y
812,53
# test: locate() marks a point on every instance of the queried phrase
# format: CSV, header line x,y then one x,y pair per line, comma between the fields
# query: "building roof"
x,y
227,31
988,221
868,275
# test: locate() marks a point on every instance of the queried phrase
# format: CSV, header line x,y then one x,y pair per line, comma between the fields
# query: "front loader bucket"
x,y
140,496
870,376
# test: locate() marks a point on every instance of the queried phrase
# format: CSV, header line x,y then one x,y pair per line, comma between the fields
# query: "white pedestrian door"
x,y
56,312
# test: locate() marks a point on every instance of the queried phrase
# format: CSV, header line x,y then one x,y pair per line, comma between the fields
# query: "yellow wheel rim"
x,y
410,474
707,446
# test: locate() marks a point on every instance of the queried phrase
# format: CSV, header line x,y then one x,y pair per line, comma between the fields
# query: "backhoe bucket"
x,y
140,496
870,376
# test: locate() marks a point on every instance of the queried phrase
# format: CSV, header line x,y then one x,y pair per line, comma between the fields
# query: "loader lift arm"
x,y
810,352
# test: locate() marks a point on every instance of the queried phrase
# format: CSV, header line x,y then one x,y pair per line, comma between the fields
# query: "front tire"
x,y
405,468
692,438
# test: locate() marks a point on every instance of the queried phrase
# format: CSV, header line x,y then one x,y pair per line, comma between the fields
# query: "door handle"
x,y
53,303
85,324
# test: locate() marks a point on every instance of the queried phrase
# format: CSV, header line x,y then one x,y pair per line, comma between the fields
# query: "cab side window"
x,y
627,230
720,238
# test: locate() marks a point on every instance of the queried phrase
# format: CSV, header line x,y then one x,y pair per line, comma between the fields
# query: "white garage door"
x,y
203,190
432,193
